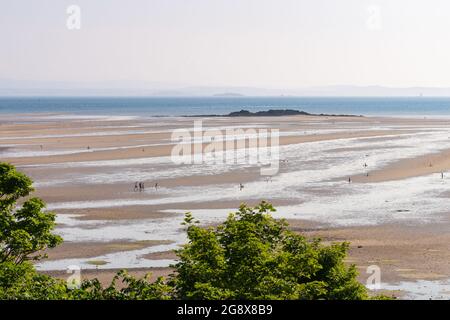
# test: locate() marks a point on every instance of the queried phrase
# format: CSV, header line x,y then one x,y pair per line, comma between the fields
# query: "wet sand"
x,y
93,249
403,252
435,163
71,162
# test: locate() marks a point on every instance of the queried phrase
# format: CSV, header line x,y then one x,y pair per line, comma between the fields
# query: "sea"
x,y
188,106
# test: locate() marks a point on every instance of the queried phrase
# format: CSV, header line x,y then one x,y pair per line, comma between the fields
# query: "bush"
x,y
254,256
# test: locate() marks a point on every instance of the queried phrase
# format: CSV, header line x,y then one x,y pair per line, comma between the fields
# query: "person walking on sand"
x,y
156,186
241,186
442,175
349,180
136,186
143,186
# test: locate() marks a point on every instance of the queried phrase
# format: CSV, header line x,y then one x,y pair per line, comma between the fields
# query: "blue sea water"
x,y
176,106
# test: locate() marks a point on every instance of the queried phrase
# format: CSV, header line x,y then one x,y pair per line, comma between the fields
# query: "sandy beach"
x,y
381,184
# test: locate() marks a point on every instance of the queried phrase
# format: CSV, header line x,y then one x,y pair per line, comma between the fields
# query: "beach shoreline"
x,y
86,168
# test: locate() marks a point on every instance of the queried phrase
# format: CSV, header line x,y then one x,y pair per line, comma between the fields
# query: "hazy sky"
x,y
266,43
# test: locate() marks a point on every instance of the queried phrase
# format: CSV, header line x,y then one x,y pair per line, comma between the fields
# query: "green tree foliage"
x,y
254,256
26,231
249,256
22,282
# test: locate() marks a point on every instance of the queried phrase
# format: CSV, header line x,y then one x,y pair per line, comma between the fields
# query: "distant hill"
x,y
11,87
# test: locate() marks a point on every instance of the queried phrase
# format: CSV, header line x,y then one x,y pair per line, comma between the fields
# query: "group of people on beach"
x,y
140,186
